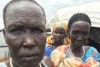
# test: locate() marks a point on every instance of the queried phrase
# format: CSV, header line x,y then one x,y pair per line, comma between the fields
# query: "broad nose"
x,y
80,37
29,41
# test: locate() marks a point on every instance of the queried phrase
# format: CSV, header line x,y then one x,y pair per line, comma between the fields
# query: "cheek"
x,y
86,39
41,41
13,43
72,38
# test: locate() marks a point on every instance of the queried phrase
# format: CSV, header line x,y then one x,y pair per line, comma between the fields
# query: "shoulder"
x,y
3,64
90,47
87,48
48,61
49,47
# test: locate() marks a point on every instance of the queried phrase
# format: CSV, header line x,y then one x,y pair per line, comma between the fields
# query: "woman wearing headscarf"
x,y
56,38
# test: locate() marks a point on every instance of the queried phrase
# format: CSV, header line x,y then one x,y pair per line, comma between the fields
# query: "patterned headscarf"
x,y
59,24
55,25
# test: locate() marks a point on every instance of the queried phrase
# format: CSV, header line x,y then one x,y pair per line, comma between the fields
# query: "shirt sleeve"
x,y
96,54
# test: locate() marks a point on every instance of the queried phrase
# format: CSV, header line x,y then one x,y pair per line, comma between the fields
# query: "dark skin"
x,y
48,61
25,33
79,34
59,34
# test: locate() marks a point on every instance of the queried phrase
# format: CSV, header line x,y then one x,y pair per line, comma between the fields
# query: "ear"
x,y
4,32
4,35
67,33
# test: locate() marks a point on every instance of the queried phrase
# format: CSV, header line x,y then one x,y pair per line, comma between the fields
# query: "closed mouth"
x,y
79,42
30,57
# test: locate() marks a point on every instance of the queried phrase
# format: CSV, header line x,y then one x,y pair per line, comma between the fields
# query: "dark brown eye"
x,y
17,31
38,31
75,32
85,33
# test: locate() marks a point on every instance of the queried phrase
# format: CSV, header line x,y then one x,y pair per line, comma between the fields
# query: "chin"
x,y
79,45
27,63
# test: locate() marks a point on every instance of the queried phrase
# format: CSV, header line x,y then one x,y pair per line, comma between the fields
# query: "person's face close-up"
x,y
58,34
25,34
79,33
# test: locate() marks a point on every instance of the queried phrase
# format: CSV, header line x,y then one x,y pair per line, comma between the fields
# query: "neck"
x,y
56,44
76,48
77,51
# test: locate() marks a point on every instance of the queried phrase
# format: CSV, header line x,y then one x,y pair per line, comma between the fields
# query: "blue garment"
x,y
48,50
92,52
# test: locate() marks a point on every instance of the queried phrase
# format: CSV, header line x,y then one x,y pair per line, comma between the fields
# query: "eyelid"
x,y
37,30
75,32
85,33
15,27
16,30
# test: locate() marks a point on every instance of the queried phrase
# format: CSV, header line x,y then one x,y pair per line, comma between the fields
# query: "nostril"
x,y
29,42
79,38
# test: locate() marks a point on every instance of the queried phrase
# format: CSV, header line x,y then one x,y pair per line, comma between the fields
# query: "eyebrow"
x,y
14,25
39,27
20,24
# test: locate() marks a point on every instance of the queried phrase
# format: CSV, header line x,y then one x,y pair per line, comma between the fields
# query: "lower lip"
x,y
79,43
30,58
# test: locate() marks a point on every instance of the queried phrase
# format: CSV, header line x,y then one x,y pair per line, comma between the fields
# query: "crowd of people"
x,y
29,46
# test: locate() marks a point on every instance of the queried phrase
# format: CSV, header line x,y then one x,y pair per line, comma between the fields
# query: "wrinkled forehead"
x,y
24,9
24,6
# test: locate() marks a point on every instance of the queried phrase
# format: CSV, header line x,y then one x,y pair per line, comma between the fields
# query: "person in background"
x,y
25,34
77,54
56,38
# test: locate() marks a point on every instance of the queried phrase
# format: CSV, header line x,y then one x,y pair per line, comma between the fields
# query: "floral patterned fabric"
x,y
62,57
